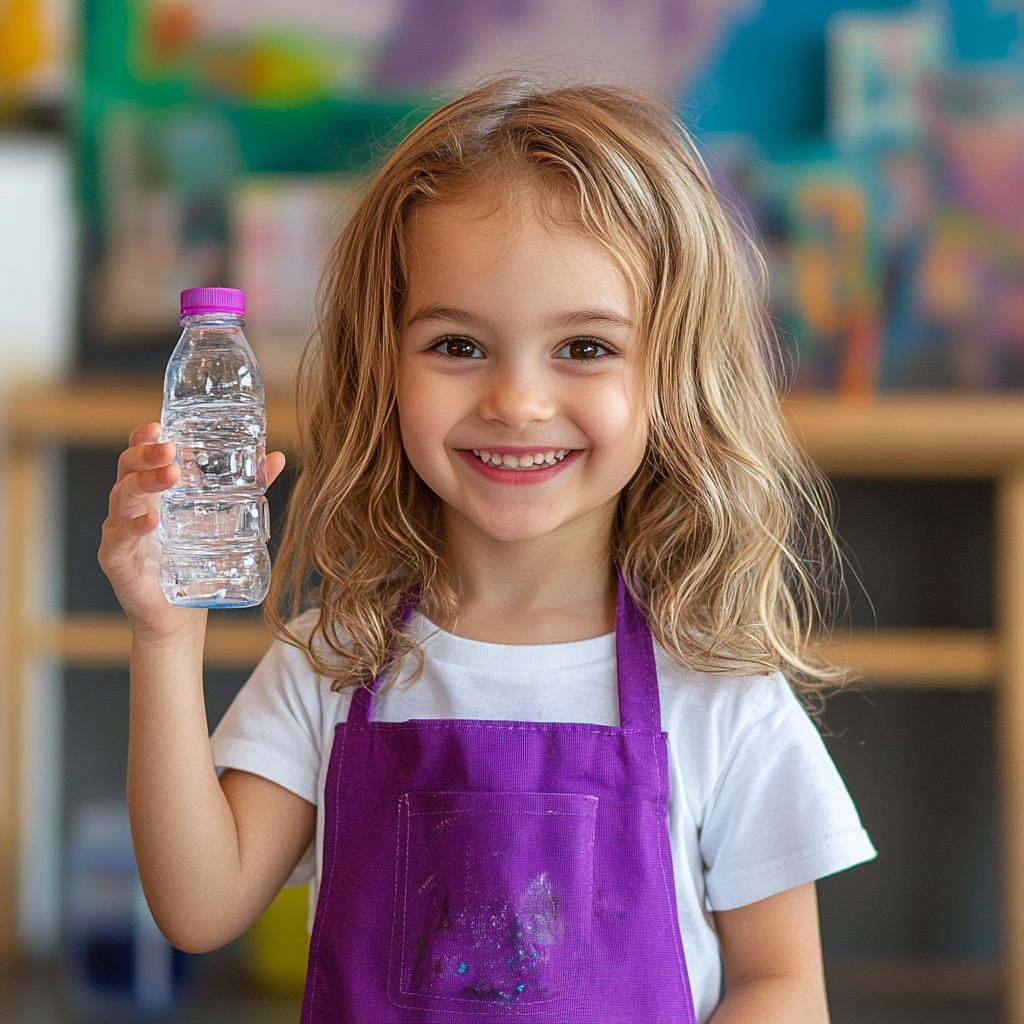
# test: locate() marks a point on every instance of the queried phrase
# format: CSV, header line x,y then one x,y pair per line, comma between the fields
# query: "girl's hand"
x,y
130,549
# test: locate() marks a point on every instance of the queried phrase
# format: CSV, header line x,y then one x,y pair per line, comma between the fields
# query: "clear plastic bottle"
x,y
214,525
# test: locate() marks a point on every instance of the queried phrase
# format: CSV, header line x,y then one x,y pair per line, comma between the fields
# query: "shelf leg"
x,y
22,488
1009,564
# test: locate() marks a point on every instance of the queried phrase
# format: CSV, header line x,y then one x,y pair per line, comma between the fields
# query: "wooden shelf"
x,y
104,641
944,436
940,436
918,658
900,658
912,979
101,413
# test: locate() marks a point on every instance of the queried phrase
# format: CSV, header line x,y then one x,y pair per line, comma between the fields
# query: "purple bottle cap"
x,y
196,301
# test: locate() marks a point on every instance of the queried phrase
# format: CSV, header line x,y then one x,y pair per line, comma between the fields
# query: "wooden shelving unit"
x,y
900,437
948,437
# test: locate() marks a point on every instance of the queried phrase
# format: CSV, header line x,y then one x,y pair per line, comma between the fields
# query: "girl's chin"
x,y
516,535
512,530
523,522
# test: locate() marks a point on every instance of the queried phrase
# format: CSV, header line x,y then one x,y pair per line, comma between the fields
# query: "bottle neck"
x,y
218,319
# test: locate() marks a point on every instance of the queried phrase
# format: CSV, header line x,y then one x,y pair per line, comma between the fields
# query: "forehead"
x,y
472,252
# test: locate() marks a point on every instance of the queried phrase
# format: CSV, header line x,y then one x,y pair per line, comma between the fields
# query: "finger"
x,y
119,544
139,526
149,482
142,457
136,493
123,509
275,464
145,434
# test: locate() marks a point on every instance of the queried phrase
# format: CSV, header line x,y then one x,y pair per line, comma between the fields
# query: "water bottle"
x,y
214,524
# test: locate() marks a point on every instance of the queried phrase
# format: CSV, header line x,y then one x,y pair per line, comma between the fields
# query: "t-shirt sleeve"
x,y
272,727
779,814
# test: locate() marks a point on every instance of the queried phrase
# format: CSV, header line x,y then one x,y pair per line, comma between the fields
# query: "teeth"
x,y
546,458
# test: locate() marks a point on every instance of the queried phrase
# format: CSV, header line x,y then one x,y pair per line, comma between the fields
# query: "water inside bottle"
x,y
220,446
214,522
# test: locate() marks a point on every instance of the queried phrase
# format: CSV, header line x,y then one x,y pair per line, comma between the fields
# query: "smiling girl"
x,y
527,728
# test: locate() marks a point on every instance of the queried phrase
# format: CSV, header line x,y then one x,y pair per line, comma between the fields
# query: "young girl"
x,y
526,730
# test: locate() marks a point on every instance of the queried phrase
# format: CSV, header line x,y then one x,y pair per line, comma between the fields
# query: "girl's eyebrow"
x,y
573,318
596,317
449,313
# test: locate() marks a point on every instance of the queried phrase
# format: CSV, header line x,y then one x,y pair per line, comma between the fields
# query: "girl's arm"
x,y
771,953
211,853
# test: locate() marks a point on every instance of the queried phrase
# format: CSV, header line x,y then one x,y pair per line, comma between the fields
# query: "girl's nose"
x,y
515,401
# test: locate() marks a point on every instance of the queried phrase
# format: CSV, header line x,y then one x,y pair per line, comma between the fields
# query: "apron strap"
x,y
363,697
639,701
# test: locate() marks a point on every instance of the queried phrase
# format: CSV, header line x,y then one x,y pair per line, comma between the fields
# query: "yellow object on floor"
x,y
277,945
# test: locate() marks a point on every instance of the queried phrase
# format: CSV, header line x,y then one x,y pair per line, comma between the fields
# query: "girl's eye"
x,y
584,350
458,348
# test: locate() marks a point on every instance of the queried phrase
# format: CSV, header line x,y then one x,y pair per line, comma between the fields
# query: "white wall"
x,y
38,259
38,268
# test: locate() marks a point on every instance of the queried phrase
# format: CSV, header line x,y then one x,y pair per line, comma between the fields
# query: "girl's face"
x,y
519,388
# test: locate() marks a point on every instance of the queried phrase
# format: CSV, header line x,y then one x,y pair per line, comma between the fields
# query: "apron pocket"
x,y
493,899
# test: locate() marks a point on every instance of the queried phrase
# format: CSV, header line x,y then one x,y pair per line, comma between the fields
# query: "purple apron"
x,y
501,871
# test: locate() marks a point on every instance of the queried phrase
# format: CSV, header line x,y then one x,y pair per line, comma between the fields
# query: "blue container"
x,y
117,958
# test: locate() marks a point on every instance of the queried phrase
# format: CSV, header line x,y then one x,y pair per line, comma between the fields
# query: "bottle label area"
x,y
194,522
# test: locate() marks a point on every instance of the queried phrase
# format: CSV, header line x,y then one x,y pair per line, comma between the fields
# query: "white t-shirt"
x,y
756,805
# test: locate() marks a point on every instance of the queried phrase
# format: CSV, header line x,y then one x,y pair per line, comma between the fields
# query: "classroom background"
x,y
876,152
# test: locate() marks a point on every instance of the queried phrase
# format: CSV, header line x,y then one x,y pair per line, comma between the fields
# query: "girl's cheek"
x,y
623,434
615,420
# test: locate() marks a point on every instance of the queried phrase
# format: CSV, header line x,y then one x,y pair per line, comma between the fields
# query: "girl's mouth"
x,y
522,467
529,462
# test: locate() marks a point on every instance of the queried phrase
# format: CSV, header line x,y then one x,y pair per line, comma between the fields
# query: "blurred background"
x,y
875,150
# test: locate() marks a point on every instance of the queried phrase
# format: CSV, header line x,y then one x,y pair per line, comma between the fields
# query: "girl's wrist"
x,y
186,628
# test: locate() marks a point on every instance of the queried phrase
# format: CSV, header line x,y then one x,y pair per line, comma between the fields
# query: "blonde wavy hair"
x,y
723,534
